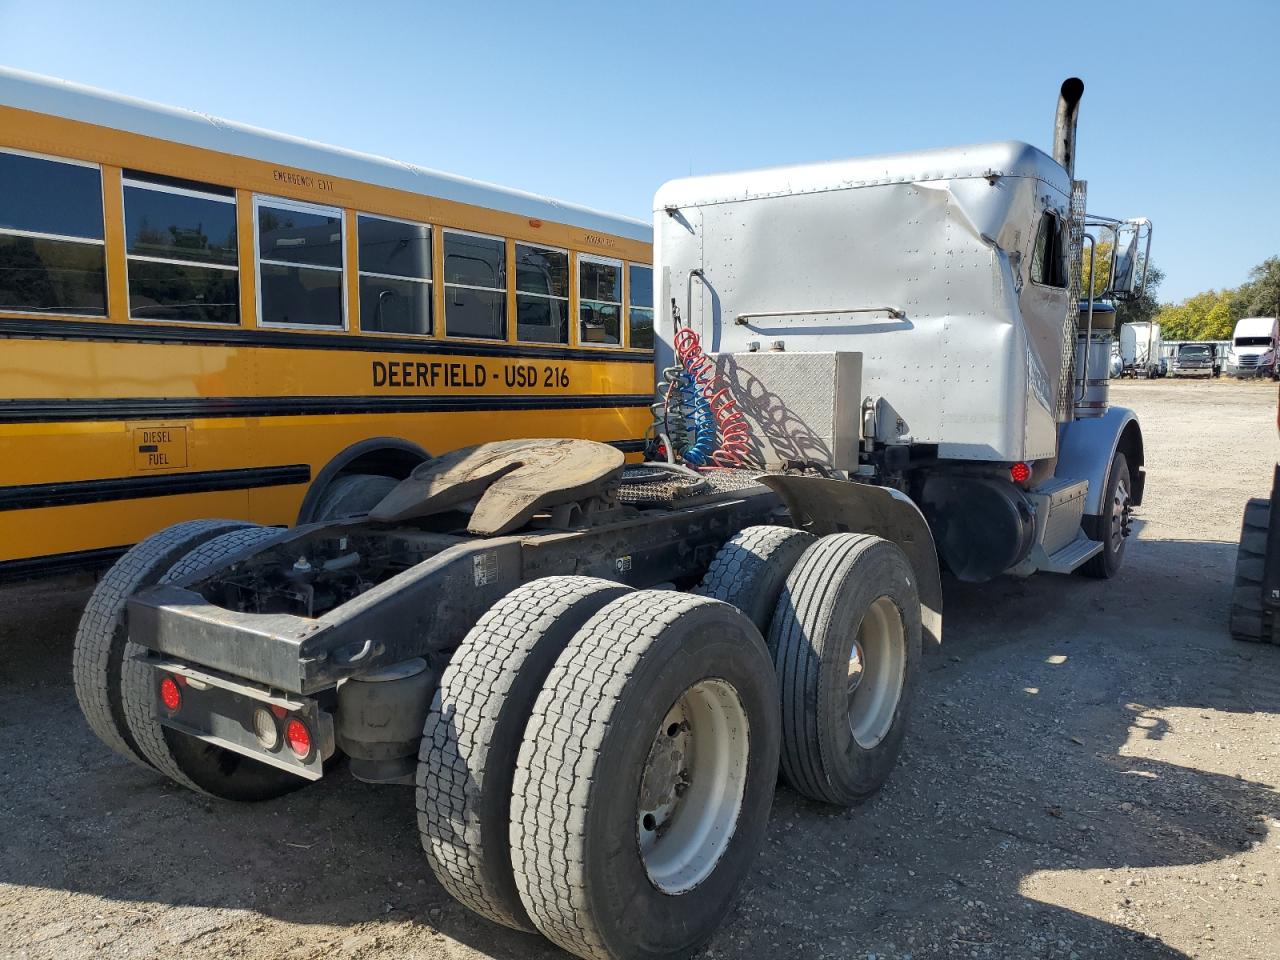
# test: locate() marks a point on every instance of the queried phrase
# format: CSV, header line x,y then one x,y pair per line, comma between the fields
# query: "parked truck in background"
x,y
1253,348
1140,344
592,672
1196,360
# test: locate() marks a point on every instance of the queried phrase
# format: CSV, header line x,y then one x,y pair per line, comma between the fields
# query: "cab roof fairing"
x,y
72,101
949,250
1010,158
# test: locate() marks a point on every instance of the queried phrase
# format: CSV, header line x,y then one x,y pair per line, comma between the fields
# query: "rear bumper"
x,y
220,710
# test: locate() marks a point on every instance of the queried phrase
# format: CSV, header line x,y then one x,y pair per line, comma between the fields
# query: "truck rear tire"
x,y
1113,523
1251,558
352,495
187,761
645,778
473,731
846,639
750,570
97,658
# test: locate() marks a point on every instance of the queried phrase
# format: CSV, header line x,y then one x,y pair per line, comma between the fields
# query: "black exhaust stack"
x,y
1064,126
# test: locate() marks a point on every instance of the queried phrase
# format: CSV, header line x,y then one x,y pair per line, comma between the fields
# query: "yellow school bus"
x,y
199,318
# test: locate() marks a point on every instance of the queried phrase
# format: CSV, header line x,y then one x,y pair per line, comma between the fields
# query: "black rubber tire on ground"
x,y
827,597
574,806
352,495
97,657
749,571
473,731
1106,564
187,761
1251,558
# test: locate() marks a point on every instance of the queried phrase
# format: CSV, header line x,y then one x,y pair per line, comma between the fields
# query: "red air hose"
x,y
734,432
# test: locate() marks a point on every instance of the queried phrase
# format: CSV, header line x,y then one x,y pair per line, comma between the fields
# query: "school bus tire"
x,y
353,494
189,762
97,657
614,858
472,734
392,457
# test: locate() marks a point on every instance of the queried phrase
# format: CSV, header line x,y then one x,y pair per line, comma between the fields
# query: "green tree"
x,y
1209,315
1140,309
1145,307
1259,296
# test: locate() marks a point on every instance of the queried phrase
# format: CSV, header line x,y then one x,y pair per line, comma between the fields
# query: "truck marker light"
x,y
1020,472
170,694
265,729
299,738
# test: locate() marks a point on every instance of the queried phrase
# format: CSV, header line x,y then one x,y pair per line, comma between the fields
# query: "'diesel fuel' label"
x,y
159,448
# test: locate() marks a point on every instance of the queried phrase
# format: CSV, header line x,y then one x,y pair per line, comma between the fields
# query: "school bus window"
x,y
639,306
542,294
475,285
599,300
52,255
180,245
299,264
395,275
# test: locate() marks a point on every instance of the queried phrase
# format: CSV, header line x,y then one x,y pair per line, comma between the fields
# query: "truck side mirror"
x,y
1129,260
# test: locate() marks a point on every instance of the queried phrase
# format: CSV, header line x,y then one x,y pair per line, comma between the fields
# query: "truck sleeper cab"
x,y
972,401
1253,348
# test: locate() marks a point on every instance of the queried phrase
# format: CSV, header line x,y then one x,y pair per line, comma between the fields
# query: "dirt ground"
x,y
1092,772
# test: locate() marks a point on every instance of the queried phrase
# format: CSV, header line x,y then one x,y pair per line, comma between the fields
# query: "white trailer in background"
x,y
1140,349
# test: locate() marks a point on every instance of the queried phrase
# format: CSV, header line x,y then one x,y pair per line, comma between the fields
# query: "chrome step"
x,y
1078,551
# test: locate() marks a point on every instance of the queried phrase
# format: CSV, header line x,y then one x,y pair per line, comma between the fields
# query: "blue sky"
x,y
599,103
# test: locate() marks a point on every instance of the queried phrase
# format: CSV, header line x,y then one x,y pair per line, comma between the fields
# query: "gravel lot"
x,y
1092,773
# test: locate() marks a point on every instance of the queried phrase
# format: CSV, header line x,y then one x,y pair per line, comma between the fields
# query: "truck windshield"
x,y
1253,341
1195,351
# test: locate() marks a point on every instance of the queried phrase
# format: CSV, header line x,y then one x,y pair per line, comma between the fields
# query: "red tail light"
x,y
298,737
170,694
1020,472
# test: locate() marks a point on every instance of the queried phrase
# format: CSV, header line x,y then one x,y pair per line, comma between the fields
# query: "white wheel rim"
x,y
692,786
877,668
1119,516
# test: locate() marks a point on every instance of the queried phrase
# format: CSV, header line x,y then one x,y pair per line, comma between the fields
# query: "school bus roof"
x,y
73,101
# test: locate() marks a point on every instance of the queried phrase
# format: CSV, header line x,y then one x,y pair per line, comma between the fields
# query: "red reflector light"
x,y
1020,472
170,694
298,737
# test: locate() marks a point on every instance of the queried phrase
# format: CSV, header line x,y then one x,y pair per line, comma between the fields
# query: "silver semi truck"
x,y
589,671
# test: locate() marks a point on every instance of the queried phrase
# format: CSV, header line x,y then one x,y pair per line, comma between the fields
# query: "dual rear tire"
x,y
842,618
116,688
626,820
650,725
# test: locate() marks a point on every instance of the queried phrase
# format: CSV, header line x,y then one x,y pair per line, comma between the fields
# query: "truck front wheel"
x,y
1113,526
645,778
